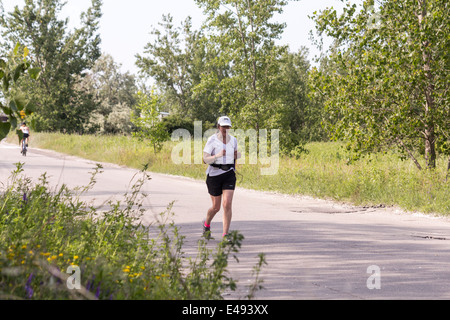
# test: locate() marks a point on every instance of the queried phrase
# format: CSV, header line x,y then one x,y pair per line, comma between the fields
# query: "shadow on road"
x,y
307,260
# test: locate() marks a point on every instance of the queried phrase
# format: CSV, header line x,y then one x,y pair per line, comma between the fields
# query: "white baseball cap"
x,y
224,121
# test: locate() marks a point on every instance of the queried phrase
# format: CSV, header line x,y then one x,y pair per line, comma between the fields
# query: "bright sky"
x,y
126,24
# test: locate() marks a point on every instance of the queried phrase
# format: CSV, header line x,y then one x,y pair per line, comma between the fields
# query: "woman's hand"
x,y
222,153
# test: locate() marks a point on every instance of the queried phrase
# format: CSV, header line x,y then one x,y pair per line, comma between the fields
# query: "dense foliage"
x,y
15,105
62,56
386,80
382,85
233,66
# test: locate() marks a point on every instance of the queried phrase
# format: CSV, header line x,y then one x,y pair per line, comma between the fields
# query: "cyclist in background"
x,y
26,133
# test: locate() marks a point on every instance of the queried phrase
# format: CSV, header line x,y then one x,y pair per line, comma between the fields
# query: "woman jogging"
x,y
220,153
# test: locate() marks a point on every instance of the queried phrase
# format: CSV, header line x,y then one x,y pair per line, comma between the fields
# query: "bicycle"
x,y
24,148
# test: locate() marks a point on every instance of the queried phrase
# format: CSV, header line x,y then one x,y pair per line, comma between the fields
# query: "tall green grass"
x,y
323,172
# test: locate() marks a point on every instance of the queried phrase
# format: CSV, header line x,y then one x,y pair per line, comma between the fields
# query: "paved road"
x,y
315,249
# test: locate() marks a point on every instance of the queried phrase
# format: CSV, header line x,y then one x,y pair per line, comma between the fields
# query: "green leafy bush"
x,y
44,234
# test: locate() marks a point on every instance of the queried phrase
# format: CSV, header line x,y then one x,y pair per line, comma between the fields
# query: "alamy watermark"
x,y
74,280
258,147
375,19
374,281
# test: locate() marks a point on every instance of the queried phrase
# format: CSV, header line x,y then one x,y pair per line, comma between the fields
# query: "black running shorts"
x,y
225,181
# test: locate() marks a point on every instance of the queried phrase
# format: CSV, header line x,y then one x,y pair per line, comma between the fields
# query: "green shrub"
x,y
43,233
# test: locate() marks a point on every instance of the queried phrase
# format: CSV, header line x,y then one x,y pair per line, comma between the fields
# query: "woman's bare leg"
x,y
213,210
227,209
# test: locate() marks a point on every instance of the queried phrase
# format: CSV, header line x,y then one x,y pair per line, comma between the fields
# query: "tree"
x,y
178,61
233,66
244,36
13,101
389,84
147,120
61,56
265,86
173,60
113,95
302,114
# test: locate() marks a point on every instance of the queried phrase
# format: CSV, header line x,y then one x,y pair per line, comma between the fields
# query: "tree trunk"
x,y
429,132
411,155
